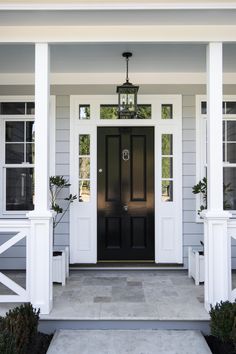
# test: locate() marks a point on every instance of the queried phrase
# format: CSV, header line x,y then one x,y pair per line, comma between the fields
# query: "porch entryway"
x,y
125,193
125,295
129,295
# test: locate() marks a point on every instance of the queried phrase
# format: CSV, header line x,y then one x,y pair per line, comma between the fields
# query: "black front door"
x,y
126,193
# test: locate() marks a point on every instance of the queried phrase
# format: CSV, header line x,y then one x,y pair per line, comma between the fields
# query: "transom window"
x,y
16,108
110,111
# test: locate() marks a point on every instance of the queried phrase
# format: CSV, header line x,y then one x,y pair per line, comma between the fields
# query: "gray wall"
x,y
192,231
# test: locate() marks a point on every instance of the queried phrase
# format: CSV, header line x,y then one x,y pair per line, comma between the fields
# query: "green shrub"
x,y
223,321
7,343
21,323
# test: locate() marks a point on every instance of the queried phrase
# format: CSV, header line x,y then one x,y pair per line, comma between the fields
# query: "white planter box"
x,y
60,265
196,267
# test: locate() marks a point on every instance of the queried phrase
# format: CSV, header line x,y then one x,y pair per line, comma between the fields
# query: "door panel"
x,y
126,193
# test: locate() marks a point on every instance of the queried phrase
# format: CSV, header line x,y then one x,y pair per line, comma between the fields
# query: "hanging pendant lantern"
x,y
127,95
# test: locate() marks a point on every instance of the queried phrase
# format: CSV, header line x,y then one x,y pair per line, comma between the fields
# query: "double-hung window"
x,y
229,148
17,119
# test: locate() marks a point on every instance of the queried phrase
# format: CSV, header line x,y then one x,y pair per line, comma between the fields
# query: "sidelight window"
x,y
84,168
167,167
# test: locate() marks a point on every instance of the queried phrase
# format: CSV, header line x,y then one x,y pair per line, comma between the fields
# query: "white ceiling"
x,y
118,17
107,58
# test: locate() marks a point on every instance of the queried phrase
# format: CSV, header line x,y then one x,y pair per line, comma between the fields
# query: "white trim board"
x,y
115,5
116,34
115,78
168,215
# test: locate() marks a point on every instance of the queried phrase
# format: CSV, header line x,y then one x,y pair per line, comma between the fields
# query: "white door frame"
x,y
168,215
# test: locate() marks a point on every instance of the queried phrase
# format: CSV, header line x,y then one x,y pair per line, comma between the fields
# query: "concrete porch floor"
x,y
124,295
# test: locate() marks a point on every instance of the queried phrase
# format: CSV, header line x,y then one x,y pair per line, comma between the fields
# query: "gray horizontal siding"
x,y
62,162
192,231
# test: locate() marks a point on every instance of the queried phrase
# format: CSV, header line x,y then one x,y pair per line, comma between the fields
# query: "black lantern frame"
x,y
127,95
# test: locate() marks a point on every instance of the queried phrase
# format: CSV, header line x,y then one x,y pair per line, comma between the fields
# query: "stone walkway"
x,y
128,342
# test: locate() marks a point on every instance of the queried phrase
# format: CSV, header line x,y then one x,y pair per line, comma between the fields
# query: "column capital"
x,y
216,214
45,215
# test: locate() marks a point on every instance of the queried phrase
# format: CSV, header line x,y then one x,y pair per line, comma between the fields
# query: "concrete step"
x,y
128,342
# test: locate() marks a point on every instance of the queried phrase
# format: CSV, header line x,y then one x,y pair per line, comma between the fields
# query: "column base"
x,y
40,261
217,252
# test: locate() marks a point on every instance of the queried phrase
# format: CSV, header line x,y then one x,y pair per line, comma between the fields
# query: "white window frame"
x,y
200,145
22,117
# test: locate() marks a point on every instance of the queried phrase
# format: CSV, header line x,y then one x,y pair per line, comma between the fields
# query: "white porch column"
x,y
216,240
40,253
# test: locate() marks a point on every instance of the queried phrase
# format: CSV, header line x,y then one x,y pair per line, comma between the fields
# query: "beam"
x,y
123,33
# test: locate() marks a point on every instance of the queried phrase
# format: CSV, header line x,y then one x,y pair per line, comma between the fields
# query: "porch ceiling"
x,y
107,58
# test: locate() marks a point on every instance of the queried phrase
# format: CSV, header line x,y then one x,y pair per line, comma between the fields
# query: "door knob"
x,y
125,207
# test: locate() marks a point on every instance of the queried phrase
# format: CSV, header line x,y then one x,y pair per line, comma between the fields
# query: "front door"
x,y
125,193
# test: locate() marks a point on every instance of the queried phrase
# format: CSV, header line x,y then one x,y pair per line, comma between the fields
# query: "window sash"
x,y
203,140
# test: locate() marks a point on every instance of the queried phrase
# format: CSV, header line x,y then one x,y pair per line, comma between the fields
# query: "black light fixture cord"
x,y
127,69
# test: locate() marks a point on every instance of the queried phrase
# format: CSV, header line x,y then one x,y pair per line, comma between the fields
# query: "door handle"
x,y
125,207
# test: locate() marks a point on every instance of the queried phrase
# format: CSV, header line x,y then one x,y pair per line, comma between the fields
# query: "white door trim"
x,y
83,216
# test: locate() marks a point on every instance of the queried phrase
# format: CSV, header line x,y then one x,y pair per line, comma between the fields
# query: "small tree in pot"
x,y
56,185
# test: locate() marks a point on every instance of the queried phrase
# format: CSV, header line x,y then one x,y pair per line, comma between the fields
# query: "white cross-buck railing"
x,y
21,228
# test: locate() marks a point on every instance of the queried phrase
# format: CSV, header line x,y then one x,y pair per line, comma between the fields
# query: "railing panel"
x,y
21,228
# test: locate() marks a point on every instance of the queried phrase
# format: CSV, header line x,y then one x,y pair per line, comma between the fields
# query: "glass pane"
x,y
166,111
224,153
84,191
84,167
19,188
224,128
108,111
14,153
231,130
84,144
167,191
230,107
12,108
203,108
84,111
229,174
30,108
30,153
231,152
30,132
144,111
14,132
167,144
167,167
